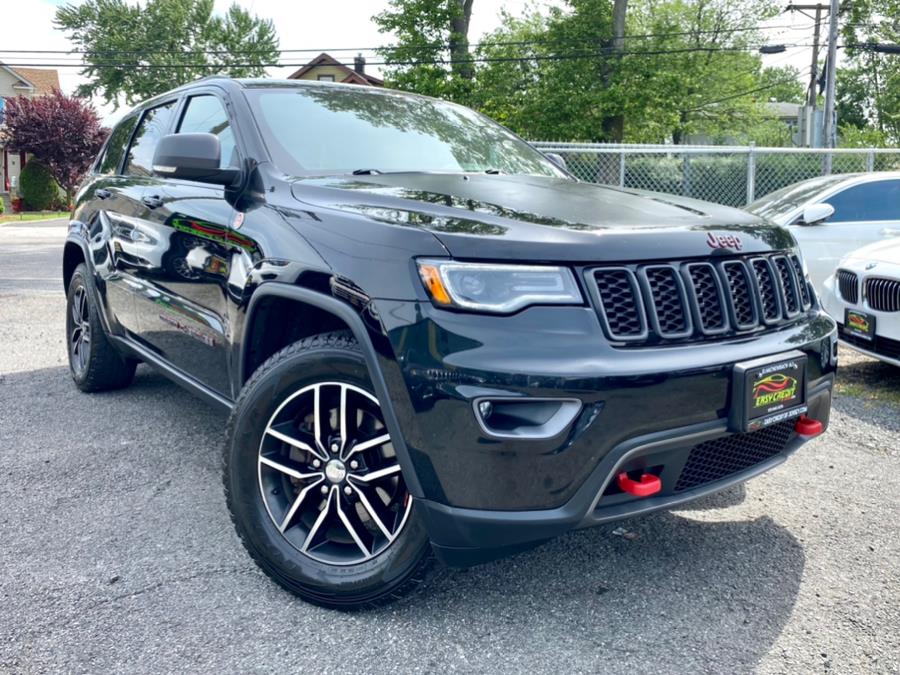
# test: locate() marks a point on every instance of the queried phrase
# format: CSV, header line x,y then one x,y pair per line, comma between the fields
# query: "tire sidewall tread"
x,y
107,369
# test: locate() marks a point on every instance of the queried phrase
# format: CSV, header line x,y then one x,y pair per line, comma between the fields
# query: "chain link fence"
x,y
732,175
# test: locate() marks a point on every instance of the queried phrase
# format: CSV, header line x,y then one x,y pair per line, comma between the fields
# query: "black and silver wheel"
x,y
94,363
80,331
329,476
313,481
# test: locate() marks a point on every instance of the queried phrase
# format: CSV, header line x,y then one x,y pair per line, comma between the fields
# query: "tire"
x,y
94,363
310,530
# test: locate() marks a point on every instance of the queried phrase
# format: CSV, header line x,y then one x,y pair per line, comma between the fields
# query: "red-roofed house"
x,y
325,68
14,82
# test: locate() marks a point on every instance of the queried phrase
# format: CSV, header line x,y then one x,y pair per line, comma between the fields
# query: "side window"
x,y
205,114
115,147
879,200
153,126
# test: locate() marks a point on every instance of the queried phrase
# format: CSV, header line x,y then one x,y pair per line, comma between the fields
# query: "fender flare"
x,y
353,321
75,238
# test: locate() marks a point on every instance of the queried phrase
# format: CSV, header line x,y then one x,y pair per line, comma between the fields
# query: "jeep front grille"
x,y
620,304
883,295
848,285
653,303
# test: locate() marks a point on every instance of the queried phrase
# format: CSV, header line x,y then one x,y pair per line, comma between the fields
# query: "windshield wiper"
x,y
365,172
493,172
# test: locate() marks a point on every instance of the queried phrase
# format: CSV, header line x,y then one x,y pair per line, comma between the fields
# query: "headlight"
x,y
500,289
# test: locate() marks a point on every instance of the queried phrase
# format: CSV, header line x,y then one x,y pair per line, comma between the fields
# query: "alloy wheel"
x,y
329,476
80,333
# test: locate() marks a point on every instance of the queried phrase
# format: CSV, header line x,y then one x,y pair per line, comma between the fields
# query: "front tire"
x,y
94,363
313,484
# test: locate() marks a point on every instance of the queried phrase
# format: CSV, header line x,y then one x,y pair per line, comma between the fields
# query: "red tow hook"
x,y
646,486
807,427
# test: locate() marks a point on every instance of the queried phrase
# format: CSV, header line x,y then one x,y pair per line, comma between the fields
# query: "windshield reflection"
x,y
316,130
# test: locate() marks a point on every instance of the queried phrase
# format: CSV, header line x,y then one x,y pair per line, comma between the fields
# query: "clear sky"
x,y
313,24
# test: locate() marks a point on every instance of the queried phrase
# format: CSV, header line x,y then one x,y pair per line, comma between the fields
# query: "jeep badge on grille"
x,y
724,241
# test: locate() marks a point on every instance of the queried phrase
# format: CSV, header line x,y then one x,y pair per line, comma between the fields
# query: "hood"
x,y
886,250
535,218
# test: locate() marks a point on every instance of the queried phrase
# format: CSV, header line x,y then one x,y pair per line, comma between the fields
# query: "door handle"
x,y
152,201
890,232
102,193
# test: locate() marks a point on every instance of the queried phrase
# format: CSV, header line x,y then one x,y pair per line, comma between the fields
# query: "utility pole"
x,y
614,125
811,93
814,66
830,75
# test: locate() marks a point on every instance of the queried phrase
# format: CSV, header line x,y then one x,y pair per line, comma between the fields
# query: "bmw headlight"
x,y
500,289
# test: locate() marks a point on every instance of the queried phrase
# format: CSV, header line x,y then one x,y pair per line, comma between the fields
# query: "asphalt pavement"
x,y
117,555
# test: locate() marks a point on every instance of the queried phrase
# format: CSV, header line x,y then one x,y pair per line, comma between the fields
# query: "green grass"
x,y
32,215
867,379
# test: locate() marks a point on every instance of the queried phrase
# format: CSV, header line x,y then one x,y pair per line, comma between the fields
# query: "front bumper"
x,y
886,344
480,491
463,537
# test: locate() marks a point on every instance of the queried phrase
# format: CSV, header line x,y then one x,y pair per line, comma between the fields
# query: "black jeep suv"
x,y
432,340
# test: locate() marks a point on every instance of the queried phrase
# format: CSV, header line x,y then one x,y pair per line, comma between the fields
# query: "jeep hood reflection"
x,y
543,218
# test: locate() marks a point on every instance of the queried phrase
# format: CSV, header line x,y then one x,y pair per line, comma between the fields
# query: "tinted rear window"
x,y
115,148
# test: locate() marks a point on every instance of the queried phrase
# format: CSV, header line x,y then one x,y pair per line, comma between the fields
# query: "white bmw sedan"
x,y
863,296
833,215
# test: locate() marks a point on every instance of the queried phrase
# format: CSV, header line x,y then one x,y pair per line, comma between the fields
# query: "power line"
x,y
437,62
724,31
747,92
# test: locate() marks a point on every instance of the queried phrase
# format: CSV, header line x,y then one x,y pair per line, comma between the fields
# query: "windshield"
x,y
778,204
327,130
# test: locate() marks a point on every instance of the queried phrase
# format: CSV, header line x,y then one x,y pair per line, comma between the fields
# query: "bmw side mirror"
x,y
557,159
192,157
816,214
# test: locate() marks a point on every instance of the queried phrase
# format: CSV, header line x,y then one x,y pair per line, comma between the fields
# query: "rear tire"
x,y
94,363
313,484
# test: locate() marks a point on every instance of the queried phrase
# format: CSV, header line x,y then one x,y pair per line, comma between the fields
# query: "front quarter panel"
x,y
376,256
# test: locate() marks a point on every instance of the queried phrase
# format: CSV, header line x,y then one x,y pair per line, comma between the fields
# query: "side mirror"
x,y
816,214
557,159
192,157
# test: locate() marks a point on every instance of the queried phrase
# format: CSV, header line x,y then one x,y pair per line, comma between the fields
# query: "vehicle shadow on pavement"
x,y
116,536
687,593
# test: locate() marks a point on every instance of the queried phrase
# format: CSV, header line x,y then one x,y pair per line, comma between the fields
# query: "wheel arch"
x,y
74,254
326,313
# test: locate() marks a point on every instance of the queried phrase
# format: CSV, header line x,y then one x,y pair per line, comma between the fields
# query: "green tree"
x,y
687,67
852,97
431,54
38,188
135,51
782,84
868,90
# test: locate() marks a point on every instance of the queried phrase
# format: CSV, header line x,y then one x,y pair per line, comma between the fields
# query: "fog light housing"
x,y
485,409
524,417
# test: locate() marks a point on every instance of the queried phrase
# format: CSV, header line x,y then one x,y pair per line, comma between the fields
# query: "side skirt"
x,y
133,349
